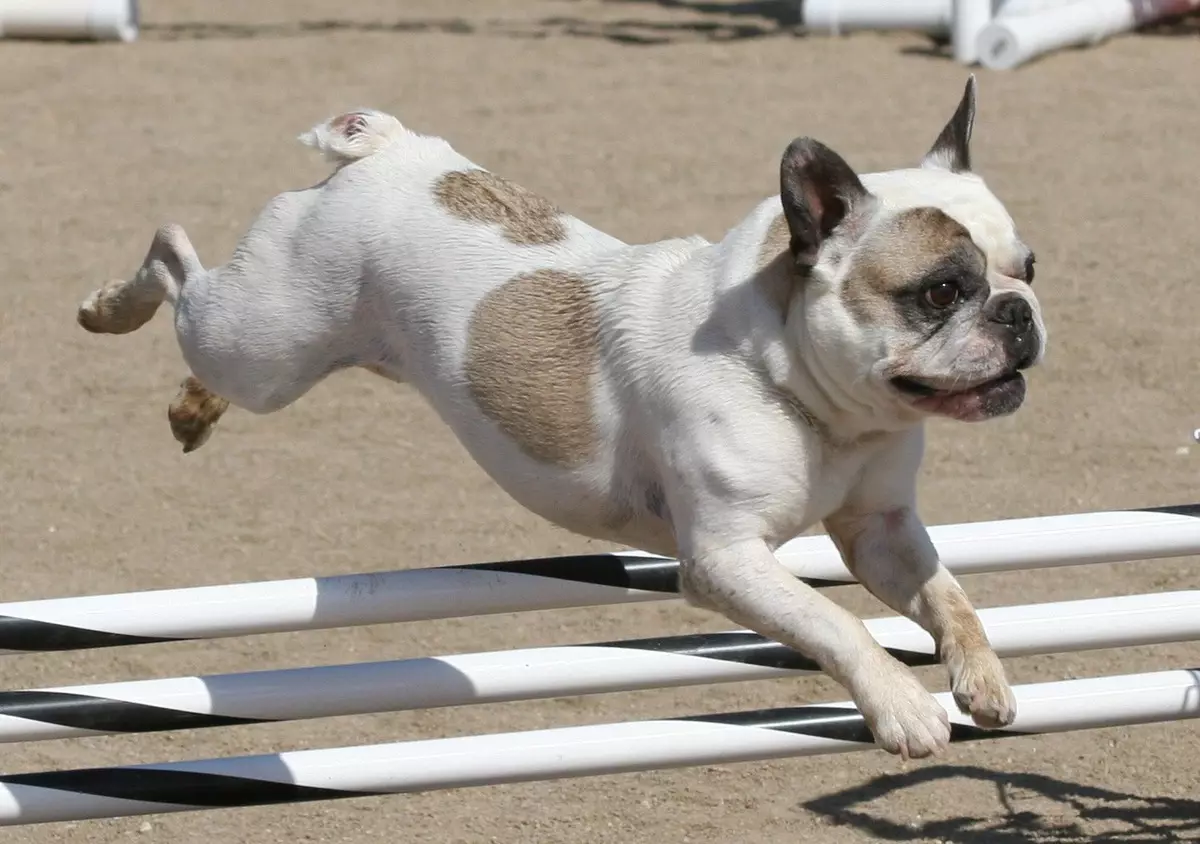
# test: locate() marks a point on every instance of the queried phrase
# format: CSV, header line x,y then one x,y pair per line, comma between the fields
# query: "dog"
x,y
705,401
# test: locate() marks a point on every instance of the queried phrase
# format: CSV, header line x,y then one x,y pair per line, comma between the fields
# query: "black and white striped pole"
x,y
178,703
552,583
459,762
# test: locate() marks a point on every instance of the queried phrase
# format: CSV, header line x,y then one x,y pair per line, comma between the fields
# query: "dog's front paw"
x,y
904,717
114,309
981,689
193,413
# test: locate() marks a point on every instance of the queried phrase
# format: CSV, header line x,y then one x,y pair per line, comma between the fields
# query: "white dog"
x,y
708,401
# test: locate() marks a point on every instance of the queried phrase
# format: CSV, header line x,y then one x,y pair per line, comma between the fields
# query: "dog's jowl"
x,y
691,398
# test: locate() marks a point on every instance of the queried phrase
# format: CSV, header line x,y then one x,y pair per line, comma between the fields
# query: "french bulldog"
x,y
706,401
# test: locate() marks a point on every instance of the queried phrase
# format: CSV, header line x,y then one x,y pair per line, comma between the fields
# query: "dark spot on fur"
x,y
656,500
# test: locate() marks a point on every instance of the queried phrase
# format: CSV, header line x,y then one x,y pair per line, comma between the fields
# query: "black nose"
x,y
1016,316
1015,313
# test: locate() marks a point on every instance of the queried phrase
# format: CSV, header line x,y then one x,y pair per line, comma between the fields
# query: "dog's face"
x,y
915,294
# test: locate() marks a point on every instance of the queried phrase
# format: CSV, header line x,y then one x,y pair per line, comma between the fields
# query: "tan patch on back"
x,y
482,197
532,352
916,241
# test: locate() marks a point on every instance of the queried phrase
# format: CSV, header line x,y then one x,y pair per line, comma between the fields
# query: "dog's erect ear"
x,y
952,149
818,190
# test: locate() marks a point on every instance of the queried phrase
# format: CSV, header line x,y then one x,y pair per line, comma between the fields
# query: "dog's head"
x,y
915,292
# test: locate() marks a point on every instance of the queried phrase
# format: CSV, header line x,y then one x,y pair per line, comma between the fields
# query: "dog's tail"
x,y
353,135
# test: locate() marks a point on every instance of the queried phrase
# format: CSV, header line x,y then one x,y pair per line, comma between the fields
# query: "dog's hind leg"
x,y
281,315
193,413
120,307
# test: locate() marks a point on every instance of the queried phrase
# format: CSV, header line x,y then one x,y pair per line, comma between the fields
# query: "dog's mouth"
x,y
981,400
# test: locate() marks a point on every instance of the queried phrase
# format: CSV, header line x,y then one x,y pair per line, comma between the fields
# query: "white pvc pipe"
x,y
969,18
1012,40
517,586
837,16
1026,7
931,16
537,755
538,673
103,20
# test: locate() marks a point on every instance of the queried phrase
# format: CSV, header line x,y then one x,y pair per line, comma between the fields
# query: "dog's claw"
x,y
193,413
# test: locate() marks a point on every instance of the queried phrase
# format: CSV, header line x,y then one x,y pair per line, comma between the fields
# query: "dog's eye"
x,y
1029,262
942,295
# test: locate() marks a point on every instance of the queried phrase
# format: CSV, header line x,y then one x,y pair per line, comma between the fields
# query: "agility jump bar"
x,y
317,603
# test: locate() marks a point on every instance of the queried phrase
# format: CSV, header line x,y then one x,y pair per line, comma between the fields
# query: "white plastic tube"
x,y
1014,39
245,609
98,20
968,20
178,703
931,16
837,16
624,747
1028,7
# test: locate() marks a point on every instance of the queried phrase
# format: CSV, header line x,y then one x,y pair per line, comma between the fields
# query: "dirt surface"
x,y
648,120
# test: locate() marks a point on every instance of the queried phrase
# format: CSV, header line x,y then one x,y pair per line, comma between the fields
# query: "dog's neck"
x,y
758,278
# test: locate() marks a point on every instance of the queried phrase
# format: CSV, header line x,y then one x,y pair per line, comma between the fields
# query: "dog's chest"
x,y
818,487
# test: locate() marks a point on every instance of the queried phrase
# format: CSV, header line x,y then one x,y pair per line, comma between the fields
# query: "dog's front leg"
x,y
892,555
747,584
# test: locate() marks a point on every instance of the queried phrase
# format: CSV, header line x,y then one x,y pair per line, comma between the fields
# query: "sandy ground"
x,y
647,119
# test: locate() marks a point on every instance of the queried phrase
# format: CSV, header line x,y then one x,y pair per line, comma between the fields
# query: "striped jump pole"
x,y
283,695
553,583
458,762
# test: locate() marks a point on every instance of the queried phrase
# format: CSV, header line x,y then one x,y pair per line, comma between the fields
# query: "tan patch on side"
x,y
194,412
482,197
532,352
914,243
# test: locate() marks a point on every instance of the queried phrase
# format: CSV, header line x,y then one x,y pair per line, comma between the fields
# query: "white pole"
x,y
104,20
479,760
329,691
970,17
930,16
1025,7
837,16
552,583
1012,40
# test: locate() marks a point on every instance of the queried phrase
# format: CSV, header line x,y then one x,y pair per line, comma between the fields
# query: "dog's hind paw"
x,y
194,412
116,309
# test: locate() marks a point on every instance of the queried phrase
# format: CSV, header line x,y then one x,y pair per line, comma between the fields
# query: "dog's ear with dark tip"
x,y
818,190
952,149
